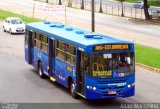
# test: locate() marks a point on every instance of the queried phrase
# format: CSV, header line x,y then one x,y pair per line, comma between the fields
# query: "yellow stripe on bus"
x,y
53,79
81,95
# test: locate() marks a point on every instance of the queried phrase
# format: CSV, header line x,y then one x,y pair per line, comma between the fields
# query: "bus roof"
x,y
73,35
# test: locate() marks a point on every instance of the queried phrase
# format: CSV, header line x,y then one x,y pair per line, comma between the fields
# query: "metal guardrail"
x,y
111,9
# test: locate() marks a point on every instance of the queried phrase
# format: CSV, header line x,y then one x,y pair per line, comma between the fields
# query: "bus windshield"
x,y
111,65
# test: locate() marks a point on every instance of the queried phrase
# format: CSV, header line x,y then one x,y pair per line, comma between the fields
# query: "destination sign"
x,y
102,73
111,47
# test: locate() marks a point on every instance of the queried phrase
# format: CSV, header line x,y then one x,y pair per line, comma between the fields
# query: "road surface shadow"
x,y
14,34
111,103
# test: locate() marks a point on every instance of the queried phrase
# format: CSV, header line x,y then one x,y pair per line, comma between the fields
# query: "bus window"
x,y
33,37
71,49
60,45
60,53
45,43
37,41
87,63
70,56
122,63
103,65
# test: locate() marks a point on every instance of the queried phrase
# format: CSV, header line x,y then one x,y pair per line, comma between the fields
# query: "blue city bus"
x,y
90,65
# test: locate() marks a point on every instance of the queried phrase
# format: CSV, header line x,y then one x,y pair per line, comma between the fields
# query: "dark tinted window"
x,y
45,43
16,21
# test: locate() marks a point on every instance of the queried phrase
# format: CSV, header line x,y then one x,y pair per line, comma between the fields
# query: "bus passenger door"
x,y
29,43
51,57
80,72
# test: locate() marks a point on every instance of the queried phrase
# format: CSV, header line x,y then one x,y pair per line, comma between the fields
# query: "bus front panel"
x,y
110,75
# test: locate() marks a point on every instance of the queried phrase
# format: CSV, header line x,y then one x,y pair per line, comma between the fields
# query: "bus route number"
x,y
111,47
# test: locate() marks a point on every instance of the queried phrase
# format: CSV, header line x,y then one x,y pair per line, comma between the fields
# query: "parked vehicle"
x,y
14,25
139,4
155,14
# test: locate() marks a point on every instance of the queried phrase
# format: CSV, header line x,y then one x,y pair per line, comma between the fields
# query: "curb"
x,y
148,67
145,22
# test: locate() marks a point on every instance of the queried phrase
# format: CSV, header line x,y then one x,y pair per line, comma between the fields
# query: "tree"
x,y
60,2
82,6
121,1
100,9
146,7
69,3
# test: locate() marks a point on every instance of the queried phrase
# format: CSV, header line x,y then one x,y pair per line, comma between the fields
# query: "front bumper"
x,y
18,30
94,95
102,88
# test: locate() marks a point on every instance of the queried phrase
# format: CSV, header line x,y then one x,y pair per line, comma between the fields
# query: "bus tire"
x,y
40,70
72,90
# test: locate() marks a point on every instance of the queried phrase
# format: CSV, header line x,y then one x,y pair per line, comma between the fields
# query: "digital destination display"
x,y
102,73
111,47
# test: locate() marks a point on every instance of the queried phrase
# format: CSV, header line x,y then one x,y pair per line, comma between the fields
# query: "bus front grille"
x,y
109,88
110,82
110,85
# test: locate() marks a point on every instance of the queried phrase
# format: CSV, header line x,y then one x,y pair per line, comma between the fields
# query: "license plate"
x,y
112,92
19,30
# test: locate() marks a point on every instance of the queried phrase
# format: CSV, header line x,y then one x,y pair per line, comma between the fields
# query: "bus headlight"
x,y
87,87
131,85
94,88
91,88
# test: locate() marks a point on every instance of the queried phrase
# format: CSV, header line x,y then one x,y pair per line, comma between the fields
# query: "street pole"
x,y
33,10
93,17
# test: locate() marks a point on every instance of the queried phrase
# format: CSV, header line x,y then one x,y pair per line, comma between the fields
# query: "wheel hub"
x,y
72,88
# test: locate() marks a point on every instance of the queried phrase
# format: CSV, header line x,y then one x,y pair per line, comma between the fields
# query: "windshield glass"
x,y
16,21
111,65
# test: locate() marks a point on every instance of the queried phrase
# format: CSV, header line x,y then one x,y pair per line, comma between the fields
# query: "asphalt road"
x,y
19,82
140,33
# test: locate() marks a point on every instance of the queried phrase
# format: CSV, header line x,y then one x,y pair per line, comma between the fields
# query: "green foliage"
x,y
121,1
5,14
154,3
148,56
150,2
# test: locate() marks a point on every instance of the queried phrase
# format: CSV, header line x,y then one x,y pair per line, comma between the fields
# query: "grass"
x,y
150,2
5,14
145,55
148,56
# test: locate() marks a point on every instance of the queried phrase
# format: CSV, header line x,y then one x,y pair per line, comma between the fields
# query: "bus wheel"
x,y
72,90
40,70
